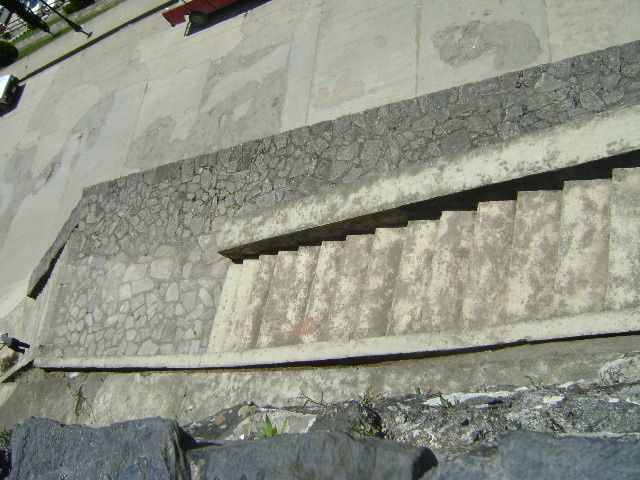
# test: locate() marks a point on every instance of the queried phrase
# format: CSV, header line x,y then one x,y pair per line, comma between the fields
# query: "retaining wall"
x,y
144,274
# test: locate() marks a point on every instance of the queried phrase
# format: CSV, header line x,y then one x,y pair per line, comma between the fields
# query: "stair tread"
x,y
486,283
534,253
449,270
222,322
235,338
382,272
254,304
581,276
341,322
623,285
272,323
414,273
296,326
322,290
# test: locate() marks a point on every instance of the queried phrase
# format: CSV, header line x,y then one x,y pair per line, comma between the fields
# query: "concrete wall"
x,y
148,95
146,275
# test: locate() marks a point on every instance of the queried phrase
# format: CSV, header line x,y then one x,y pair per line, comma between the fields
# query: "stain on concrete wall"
x,y
511,43
17,182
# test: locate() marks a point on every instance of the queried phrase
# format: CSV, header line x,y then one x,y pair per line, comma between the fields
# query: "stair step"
x,y
449,271
581,277
486,284
296,326
345,310
322,290
246,337
534,255
222,323
414,274
236,337
623,289
272,325
382,272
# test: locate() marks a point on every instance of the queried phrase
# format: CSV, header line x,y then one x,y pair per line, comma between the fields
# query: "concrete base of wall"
x,y
497,336
101,397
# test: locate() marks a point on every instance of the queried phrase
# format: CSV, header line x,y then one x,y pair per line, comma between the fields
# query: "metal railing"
x,y
16,26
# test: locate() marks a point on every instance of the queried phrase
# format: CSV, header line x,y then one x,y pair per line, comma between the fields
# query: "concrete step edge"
x,y
574,326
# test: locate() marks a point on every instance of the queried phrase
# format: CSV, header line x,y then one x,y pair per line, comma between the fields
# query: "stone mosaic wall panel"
x,y
145,244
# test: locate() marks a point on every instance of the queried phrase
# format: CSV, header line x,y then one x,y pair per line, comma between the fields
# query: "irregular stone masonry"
x,y
146,273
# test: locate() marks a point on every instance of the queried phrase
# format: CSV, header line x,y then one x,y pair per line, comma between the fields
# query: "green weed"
x,y
268,428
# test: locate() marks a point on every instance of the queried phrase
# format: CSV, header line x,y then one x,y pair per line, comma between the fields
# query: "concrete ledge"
x,y
602,135
575,326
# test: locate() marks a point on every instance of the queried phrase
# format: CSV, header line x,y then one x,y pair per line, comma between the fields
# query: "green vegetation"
x,y
76,5
8,53
5,438
444,402
268,428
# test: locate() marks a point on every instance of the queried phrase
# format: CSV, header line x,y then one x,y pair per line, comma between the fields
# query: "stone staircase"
x,y
547,254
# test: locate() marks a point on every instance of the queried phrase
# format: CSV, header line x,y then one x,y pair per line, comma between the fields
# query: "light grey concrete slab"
x,y
486,285
380,282
580,26
442,309
365,56
463,41
301,63
574,143
322,291
134,396
239,333
258,298
529,330
345,310
274,323
414,275
222,322
623,286
534,255
583,250
296,324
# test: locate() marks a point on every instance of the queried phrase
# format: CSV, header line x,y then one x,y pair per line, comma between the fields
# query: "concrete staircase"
x,y
547,254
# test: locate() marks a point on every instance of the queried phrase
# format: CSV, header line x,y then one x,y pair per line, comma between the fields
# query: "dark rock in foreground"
x,y
533,455
148,449
318,456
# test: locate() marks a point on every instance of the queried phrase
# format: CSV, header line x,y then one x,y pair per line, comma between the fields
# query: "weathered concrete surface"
x,y
583,250
99,398
148,95
623,287
577,26
485,296
462,41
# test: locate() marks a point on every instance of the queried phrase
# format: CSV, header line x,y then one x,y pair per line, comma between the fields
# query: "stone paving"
x,y
146,274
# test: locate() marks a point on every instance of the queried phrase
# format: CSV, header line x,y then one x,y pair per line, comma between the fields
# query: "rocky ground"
x,y
458,423
576,430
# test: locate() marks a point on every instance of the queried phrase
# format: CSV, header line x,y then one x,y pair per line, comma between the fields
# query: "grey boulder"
x,y
317,455
534,455
147,449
